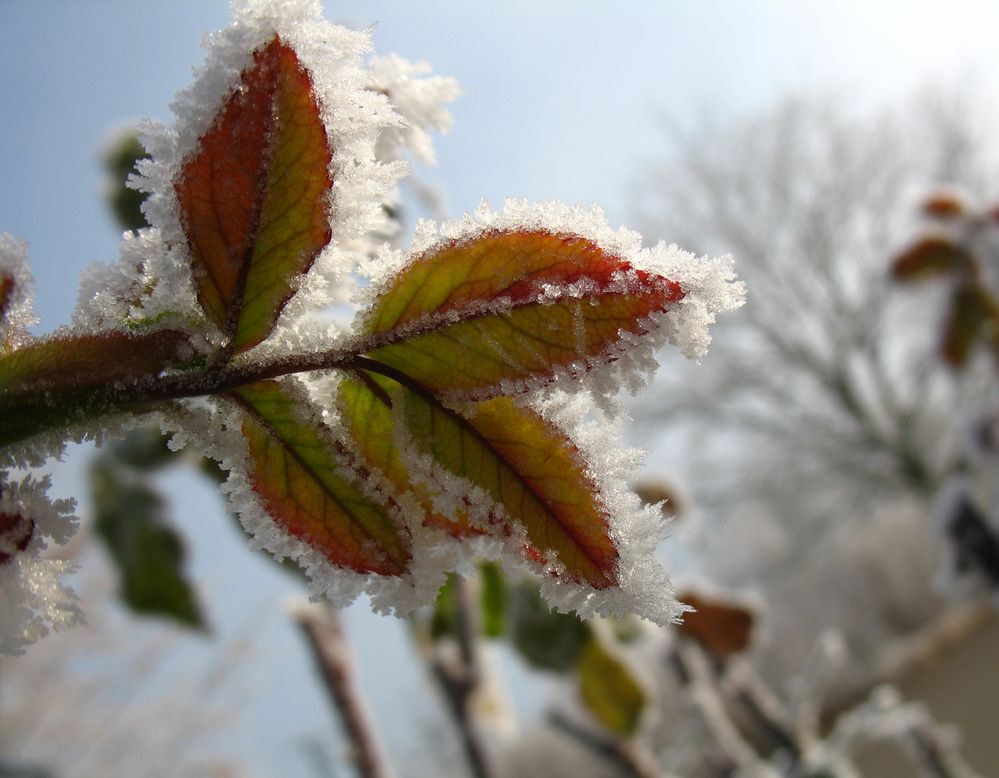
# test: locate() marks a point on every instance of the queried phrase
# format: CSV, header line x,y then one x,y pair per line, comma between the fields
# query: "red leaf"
x,y
509,308
723,628
62,381
91,361
932,256
254,197
301,476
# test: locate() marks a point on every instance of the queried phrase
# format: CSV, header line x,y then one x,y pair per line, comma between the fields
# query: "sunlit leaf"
x,y
723,628
147,552
365,408
254,197
511,306
299,473
65,380
609,689
529,468
932,256
544,638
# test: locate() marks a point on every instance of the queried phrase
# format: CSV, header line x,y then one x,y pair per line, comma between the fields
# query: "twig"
x,y
331,650
626,755
459,680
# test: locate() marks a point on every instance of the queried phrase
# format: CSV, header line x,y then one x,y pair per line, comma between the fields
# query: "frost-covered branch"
x,y
453,419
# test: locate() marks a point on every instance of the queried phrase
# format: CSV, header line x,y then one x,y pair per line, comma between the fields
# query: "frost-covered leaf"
x,y
609,689
254,197
148,553
528,469
544,638
70,379
931,256
723,628
300,473
365,407
507,307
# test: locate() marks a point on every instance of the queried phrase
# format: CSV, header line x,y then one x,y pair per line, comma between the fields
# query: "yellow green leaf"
x,y
511,307
303,480
609,690
254,197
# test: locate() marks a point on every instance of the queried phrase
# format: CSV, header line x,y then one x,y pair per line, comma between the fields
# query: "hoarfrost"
x,y
17,292
33,601
420,98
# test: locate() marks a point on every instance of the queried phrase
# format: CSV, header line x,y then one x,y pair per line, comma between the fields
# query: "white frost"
x,y
33,601
19,312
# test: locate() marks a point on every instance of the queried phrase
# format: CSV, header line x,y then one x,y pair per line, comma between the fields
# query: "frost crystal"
x,y
16,292
32,599
420,98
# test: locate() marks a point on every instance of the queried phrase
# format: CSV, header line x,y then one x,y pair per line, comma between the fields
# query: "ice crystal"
x,y
33,601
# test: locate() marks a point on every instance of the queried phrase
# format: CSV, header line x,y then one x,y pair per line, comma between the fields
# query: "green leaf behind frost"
x,y
148,553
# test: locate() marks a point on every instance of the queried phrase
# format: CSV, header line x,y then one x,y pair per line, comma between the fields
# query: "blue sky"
x,y
561,101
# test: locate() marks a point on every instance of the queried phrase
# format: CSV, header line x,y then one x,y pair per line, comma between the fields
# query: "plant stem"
x,y
460,679
331,650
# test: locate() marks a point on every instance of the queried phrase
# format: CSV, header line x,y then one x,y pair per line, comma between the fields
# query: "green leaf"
x,y
148,553
254,197
126,203
307,483
144,449
609,689
544,638
493,596
61,381
478,317
444,616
